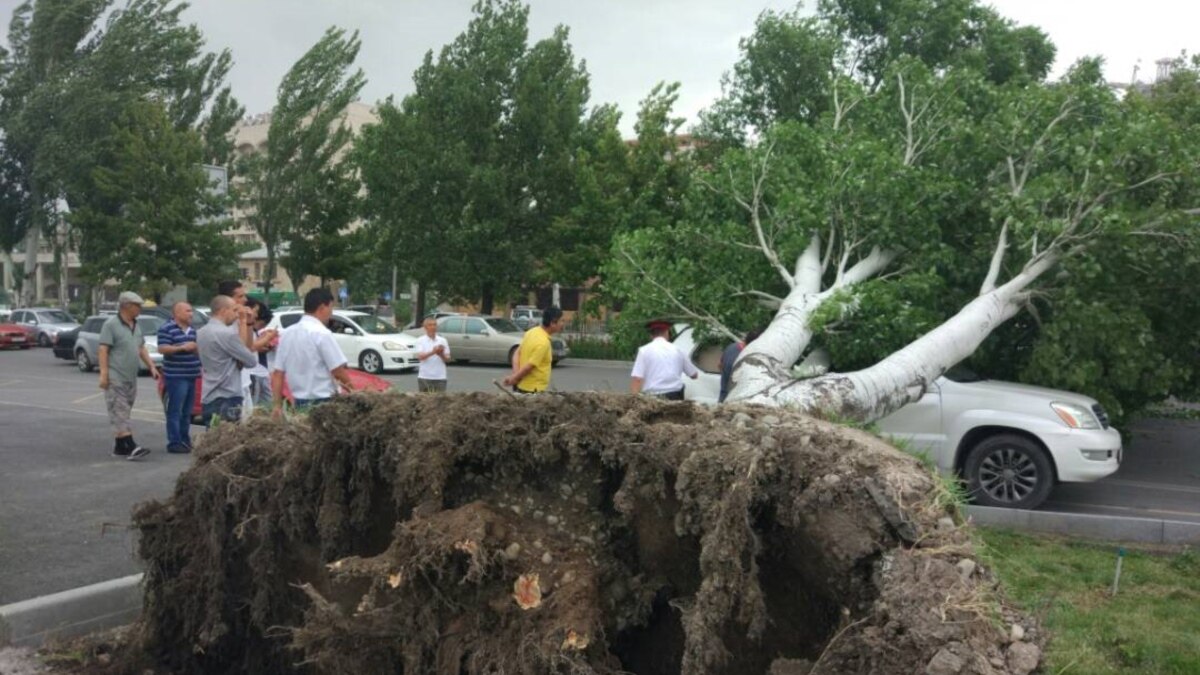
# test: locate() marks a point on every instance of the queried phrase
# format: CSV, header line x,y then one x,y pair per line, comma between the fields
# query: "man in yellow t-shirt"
x,y
531,370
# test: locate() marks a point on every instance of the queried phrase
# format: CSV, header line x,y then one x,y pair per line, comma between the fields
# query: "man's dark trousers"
x,y
181,398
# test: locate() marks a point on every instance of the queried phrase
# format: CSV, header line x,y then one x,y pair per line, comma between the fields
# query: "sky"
x,y
630,45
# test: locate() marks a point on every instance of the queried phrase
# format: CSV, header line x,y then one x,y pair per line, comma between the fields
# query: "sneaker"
x,y
179,449
123,452
138,452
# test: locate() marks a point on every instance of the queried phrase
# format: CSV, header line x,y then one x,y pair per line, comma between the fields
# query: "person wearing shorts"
x,y
122,347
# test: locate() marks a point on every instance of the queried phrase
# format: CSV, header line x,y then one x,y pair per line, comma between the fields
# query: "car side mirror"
x,y
349,331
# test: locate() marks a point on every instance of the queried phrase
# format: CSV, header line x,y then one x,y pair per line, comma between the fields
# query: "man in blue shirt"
x,y
181,368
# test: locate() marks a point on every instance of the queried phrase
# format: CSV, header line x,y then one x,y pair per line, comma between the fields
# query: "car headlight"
x,y
396,346
1075,416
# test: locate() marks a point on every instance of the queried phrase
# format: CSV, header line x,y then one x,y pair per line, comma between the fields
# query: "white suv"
x,y
369,343
1010,442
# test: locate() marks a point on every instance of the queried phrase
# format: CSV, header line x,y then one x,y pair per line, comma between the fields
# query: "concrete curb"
x,y
1089,526
108,604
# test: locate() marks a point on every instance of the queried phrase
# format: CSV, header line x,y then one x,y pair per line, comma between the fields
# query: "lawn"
x,y
1151,626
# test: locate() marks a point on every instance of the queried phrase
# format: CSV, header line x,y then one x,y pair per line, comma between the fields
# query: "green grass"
x,y
596,348
1151,626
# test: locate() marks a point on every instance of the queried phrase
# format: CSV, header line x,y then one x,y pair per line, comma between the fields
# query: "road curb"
x,y
1090,526
108,604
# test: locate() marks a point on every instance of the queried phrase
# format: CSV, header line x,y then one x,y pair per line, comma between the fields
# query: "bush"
x,y
600,348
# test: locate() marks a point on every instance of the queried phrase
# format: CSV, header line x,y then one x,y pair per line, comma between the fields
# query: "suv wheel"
x,y
370,362
82,361
1009,471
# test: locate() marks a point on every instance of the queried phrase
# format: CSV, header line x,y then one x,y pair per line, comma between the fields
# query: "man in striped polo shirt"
x,y
181,368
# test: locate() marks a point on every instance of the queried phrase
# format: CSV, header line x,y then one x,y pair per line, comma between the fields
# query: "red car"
x,y
15,336
359,381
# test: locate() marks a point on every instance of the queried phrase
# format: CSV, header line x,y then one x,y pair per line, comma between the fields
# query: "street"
x,y
65,503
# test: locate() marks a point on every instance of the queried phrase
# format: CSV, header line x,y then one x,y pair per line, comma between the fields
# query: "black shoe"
x,y
179,449
137,452
121,452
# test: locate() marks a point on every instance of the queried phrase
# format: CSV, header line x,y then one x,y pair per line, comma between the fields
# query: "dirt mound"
x,y
560,534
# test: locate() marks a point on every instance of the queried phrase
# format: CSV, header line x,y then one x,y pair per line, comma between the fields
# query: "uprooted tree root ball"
x,y
560,534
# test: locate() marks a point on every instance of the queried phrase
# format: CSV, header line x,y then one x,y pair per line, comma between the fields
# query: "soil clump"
x,y
585,533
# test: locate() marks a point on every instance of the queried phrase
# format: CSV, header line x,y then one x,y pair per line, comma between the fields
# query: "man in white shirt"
x,y
434,353
308,358
660,367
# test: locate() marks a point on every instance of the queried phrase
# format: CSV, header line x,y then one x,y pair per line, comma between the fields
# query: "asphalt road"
x,y
65,503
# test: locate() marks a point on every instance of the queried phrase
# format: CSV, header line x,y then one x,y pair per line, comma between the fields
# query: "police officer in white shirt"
x,y
434,353
660,367
308,357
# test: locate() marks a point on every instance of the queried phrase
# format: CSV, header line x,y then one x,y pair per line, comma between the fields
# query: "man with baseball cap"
x,y
660,367
121,347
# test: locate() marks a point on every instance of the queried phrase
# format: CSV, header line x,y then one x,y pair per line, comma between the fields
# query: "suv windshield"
x,y
375,325
503,325
55,316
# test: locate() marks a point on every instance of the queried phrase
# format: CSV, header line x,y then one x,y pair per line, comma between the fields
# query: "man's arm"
x,y
421,356
238,350
445,353
276,391
245,327
342,377
638,375
102,354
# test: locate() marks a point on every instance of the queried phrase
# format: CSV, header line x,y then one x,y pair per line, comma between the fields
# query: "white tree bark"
x,y
761,374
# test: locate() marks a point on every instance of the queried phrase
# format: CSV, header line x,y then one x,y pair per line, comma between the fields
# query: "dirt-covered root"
x,y
561,534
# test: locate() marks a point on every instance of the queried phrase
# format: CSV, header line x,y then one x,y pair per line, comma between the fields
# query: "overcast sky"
x,y
630,45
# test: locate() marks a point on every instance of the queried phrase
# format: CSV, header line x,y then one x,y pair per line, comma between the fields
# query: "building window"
x,y
244,272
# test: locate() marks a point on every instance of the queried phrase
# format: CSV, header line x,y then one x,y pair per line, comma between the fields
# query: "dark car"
x,y
64,346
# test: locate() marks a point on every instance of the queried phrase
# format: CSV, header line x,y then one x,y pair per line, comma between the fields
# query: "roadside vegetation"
x,y
1152,625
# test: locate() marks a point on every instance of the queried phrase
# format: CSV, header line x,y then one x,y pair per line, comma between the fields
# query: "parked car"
x,y
359,381
369,343
15,336
1010,443
46,322
64,346
486,339
525,316
87,341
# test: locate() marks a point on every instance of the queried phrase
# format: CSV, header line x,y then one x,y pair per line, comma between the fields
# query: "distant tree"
x,y
72,70
301,192
152,191
471,171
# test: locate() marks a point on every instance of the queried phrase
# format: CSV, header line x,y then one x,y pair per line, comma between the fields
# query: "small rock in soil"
x,y
1018,632
966,568
513,550
1023,658
547,558
945,523
945,662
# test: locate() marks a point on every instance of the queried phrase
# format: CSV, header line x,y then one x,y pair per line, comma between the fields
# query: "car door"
x,y
89,338
452,328
919,424
478,342
346,336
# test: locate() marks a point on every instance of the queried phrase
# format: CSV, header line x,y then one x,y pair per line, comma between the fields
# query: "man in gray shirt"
x,y
121,348
223,355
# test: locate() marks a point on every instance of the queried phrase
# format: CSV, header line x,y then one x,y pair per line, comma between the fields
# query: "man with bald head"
x,y
224,355
180,368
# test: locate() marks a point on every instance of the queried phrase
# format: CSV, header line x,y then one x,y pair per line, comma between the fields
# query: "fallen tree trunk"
x,y
559,534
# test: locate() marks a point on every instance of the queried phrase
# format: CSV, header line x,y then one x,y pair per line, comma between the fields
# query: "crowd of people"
x,y
242,364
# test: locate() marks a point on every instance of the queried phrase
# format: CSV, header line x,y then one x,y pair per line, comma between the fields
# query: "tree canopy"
x,y
874,210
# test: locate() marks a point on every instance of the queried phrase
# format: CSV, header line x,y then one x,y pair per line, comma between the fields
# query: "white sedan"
x,y
1010,442
369,343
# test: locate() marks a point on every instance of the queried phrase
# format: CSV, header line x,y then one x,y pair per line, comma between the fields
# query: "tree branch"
x,y
687,312
868,267
809,268
989,282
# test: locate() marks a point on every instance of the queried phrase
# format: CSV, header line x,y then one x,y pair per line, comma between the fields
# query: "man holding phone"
x,y
434,353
